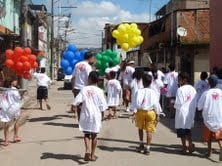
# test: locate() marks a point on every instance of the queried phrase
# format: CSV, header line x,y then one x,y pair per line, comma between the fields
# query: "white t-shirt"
x,y
127,76
160,75
115,69
185,106
146,99
171,82
135,85
201,86
42,79
113,92
93,103
211,104
156,85
80,74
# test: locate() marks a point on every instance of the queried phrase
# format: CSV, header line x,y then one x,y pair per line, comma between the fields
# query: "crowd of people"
x,y
142,92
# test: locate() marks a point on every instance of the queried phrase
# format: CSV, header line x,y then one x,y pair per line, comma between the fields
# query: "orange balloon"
x,y
26,66
32,58
18,51
19,66
35,65
9,54
24,58
26,75
27,51
9,63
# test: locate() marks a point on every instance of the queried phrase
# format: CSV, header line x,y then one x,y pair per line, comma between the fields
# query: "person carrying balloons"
x,y
10,103
43,82
80,75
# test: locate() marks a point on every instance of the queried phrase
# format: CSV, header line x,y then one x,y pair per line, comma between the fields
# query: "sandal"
x,y
94,158
16,139
6,143
192,149
87,157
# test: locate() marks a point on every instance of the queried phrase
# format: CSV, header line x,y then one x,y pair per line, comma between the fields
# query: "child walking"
x,y
91,114
114,91
146,109
10,110
185,106
211,104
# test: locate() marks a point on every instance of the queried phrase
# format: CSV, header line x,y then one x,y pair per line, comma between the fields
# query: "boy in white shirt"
x,y
185,106
211,104
113,94
146,109
93,105
171,84
43,81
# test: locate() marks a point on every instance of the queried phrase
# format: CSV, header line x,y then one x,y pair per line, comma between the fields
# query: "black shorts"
x,y
183,133
42,93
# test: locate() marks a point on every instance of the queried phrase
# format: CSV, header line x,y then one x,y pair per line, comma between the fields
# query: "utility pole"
x,y
52,40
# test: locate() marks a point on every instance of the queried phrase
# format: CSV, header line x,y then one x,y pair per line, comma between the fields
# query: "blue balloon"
x,y
83,52
64,54
74,62
68,71
70,56
64,64
78,56
72,47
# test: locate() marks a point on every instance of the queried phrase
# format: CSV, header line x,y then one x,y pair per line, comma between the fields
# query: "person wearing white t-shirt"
x,y
211,104
80,76
185,106
171,83
43,82
201,86
113,94
127,78
92,113
111,68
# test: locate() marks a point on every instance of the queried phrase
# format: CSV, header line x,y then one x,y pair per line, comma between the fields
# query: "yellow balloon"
x,y
115,33
136,40
125,46
121,28
131,44
127,26
133,25
125,37
141,39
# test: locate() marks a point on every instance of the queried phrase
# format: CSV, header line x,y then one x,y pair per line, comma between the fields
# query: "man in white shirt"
x,y
211,104
43,82
80,75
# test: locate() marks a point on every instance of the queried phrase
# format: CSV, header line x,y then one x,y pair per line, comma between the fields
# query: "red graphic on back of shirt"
x,y
188,98
111,85
81,67
143,101
171,75
215,96
89,93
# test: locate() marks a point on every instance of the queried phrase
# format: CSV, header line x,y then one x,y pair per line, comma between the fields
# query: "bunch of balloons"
x,y
70,58
103,59
21,60
128,36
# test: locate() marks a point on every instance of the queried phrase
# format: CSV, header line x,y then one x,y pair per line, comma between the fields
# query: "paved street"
x,y
52,138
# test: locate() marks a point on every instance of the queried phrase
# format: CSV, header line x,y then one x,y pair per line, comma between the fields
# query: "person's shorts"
x,y
146,120
209,135
183,133
42,93
75,92
88,132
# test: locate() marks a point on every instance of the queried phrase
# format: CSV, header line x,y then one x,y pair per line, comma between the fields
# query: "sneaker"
x,y
146,151
127,109
140,148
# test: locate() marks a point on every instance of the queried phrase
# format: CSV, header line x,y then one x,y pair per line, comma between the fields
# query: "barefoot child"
x,y
91,114
148,109
185,106
113,94
211,104
10,110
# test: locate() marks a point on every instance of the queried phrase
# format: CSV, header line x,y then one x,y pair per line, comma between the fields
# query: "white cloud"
x,y
90,18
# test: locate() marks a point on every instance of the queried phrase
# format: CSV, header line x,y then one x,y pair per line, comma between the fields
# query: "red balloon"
x,y
32,58
26,75
9,54
18,51
27,51
19,66
9,63
26,66
24,58
35,65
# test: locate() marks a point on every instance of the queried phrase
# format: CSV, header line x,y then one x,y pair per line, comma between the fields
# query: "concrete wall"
x,y
215,33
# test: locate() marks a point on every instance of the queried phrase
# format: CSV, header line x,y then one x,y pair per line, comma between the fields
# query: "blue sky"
x,y
89,19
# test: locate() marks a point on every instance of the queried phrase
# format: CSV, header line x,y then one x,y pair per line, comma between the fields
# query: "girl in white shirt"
x,y
211,104
114,91
185,106
91,114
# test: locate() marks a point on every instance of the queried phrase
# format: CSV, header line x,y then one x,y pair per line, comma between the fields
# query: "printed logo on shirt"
x,y
171,75
89,93
81,67
143,101
215,96
112,85
188,98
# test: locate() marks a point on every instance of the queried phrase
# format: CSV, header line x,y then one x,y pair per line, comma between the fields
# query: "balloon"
x,y
116,60
19,66
136,40
133,25
35,65
101,72
70,56
121,28
64,54
98,64
98,56
115,33
18,51
32,58
104,59
65,64
26,66
125,46
9,63
27,51
24,58
141,39
26,75
74,62
78,56
83,52
68,71
108,52
9,54
72,47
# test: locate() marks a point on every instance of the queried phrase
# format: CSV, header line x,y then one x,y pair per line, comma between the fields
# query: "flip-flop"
x,y
6,144
94,159
87,157
16,139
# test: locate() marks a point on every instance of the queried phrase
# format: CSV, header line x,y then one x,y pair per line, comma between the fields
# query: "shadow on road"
x,y
76,158
55,117
62,124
